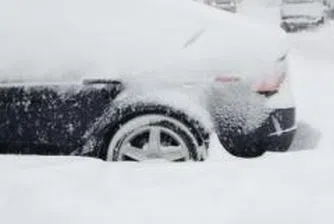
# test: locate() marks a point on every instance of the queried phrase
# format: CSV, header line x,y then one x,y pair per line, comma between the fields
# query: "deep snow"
x,y
292,187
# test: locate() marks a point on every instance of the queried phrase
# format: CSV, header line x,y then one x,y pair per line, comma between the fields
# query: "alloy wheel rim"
x,y
153,142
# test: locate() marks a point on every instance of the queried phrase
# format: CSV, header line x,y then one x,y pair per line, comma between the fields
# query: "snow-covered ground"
x,y
292,187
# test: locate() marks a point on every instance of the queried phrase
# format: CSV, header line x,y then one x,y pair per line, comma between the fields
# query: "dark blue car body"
x,y
50,119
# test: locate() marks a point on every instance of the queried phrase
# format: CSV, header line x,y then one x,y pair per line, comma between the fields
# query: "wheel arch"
x,y
97,139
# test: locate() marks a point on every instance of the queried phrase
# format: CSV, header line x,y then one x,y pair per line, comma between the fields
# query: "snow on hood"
x,y
171,39
314,10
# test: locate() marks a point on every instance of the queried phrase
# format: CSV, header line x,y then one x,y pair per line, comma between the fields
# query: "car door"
x,y
78,109
27,116
50,119
9,98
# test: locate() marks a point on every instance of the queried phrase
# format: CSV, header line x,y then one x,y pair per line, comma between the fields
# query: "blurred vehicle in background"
x,y
299,14
329,8
227,5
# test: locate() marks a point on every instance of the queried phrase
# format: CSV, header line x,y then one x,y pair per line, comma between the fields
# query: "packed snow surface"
x,y
289,188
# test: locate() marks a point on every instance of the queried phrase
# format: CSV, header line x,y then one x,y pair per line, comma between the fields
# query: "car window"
x,y
223,1
298,1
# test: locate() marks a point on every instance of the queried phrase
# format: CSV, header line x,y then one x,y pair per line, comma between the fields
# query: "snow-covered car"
x,y
227,5
329,5
158,85
299,14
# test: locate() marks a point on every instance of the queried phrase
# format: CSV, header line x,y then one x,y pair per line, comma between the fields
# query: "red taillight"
x,y
267,84
270,84
227,79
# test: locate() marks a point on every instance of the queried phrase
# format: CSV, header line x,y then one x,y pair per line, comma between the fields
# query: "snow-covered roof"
x,y
75,38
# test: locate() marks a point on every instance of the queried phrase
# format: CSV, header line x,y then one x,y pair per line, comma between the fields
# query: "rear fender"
x,y
129,105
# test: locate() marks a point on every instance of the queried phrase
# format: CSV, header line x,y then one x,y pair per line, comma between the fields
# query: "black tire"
x,y
321,21
285,27
190,130
289,28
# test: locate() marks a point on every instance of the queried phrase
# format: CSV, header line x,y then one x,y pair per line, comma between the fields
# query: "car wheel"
x,y
153,136
285,27
322,21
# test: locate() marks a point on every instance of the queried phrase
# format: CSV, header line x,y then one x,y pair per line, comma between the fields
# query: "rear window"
x,y
297,1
